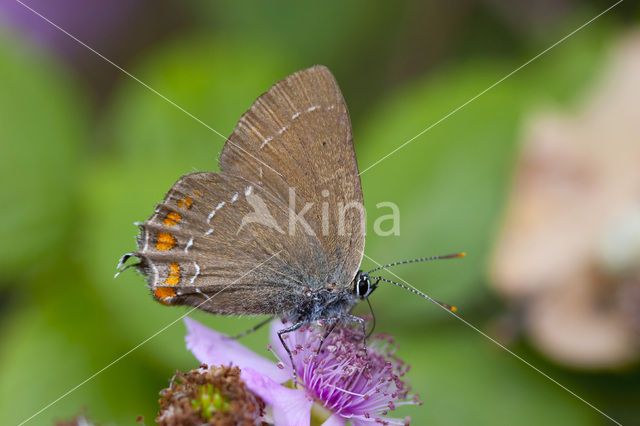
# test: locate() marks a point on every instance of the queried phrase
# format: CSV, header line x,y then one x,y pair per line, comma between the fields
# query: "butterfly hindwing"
x,y
199,242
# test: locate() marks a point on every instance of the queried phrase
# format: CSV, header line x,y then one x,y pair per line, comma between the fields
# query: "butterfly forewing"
x,y
230,234
297,137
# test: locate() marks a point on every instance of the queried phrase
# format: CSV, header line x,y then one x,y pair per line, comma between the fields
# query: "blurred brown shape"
x,y
569,249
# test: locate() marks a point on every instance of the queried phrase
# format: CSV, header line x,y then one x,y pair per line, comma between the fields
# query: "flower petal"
x,y
334,420
213,348
291,407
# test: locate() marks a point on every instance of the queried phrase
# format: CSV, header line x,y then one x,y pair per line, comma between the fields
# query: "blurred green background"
x,y
84,152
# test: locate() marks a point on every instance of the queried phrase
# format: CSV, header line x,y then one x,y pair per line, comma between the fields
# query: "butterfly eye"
x,y
363,287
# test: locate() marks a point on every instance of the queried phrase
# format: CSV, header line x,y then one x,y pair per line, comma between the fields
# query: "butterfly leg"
x,y
363,324
333,322
373,326
252,329
294,327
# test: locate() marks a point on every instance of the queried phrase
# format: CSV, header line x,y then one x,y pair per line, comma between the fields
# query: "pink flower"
x,y
346,382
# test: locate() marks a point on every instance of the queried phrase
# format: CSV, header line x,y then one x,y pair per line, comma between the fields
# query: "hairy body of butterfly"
x,y
331,306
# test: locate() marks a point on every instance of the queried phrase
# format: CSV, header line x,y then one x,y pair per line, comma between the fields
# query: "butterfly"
x,y
280,229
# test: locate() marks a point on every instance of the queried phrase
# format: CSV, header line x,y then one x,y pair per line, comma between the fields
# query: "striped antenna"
x,y
418,292
420,259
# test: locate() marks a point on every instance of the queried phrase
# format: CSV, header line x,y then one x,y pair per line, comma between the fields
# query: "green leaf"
x,y
464,379
42,131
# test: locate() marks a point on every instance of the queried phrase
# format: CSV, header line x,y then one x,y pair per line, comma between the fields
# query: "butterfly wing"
x,y
218,234
225,242
297,137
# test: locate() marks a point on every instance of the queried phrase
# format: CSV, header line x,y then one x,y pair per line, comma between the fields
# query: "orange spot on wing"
x,y
172,219
174,274
172,280
174,268
165,241
164,292
197,193
185,203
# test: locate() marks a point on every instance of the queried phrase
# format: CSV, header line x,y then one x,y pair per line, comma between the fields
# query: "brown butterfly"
x,y
280,230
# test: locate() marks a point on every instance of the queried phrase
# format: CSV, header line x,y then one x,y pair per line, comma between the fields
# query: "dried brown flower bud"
x,y
213,396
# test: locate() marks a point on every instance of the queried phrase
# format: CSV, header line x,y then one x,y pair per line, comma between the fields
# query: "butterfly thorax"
x,y
320,305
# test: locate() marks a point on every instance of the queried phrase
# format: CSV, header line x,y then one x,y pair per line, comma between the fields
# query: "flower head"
x,y
213,395
341,379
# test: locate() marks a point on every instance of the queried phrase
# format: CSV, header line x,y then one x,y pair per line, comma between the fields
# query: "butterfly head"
x,y
362,286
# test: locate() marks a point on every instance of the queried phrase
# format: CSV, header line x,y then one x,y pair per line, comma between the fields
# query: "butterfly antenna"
x,y
418,292
420,259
